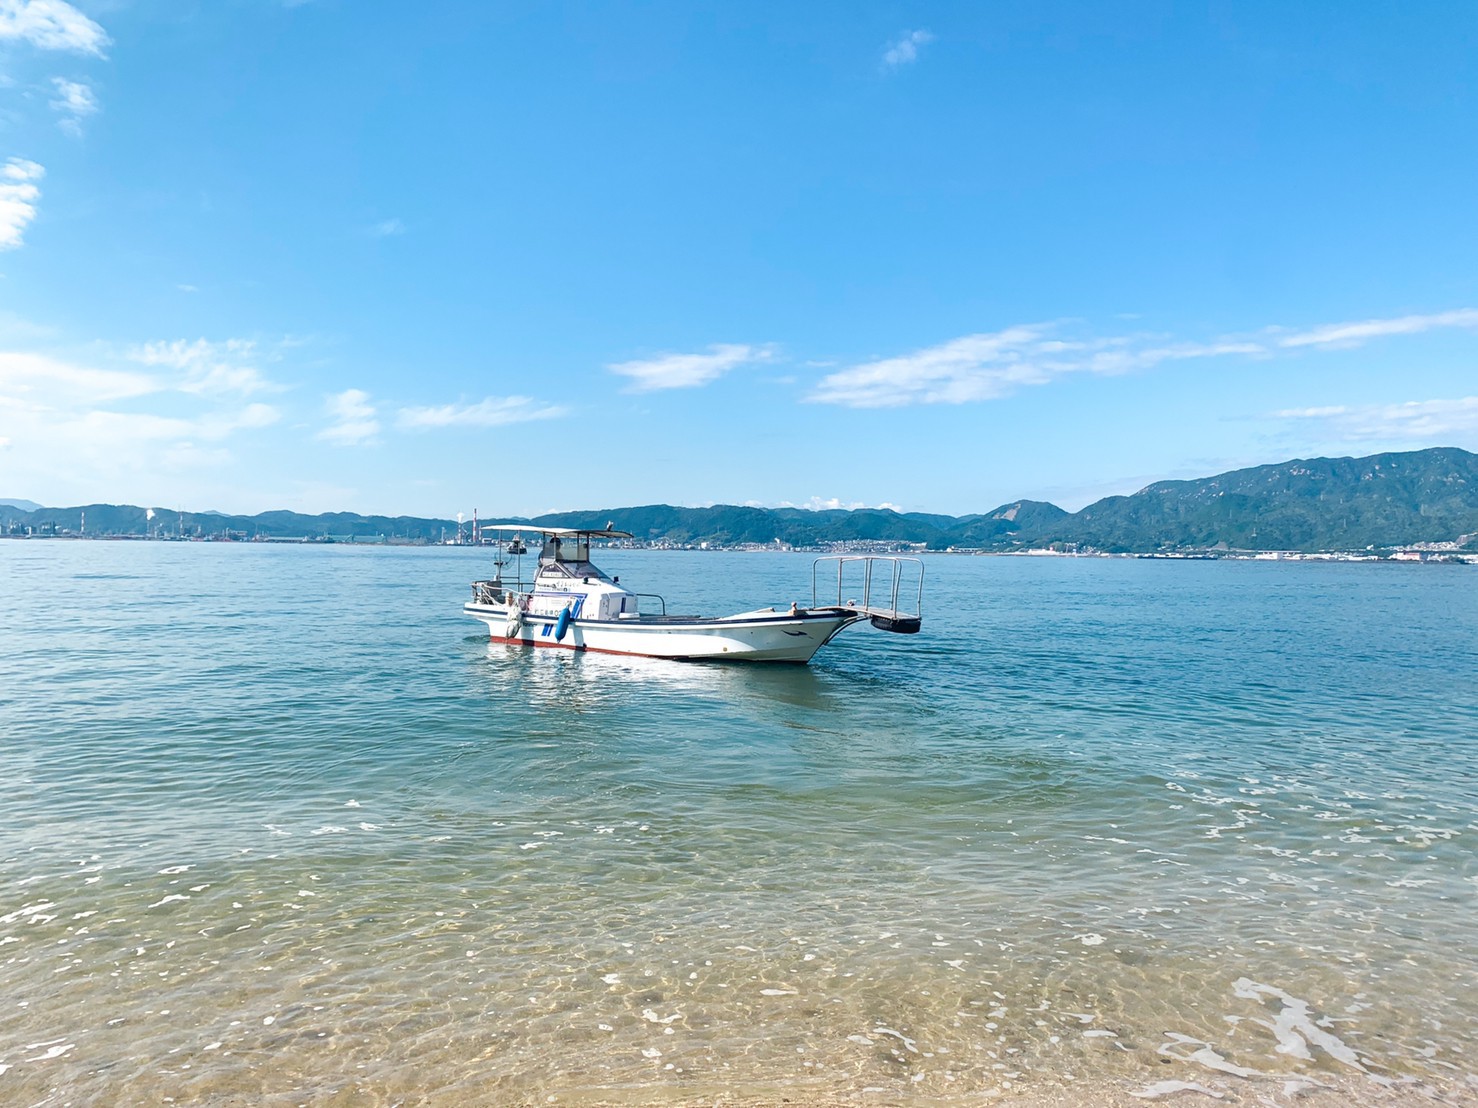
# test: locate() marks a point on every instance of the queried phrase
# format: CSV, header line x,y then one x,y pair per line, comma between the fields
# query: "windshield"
x,y
568,555
573,548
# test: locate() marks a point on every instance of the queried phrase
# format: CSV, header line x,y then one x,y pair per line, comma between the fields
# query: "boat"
x,y
570,604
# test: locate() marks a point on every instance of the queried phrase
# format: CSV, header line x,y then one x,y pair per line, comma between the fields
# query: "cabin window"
x,y
568,557
566,549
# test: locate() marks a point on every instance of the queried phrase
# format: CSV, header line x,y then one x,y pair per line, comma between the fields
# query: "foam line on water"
x,y
1293,1026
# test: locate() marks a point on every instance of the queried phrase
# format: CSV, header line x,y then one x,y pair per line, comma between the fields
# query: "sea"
x,y
279,825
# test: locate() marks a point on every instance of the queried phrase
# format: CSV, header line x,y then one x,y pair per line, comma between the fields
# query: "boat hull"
x,y
752,637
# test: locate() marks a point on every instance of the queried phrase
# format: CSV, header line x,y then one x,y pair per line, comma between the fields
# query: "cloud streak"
x,y
37,377
996,364
1412,421
121,427
686,371
71,422
51,25
494,411
1355,334
18,196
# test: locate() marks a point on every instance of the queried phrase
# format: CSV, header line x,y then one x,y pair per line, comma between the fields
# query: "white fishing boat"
x,y
572,605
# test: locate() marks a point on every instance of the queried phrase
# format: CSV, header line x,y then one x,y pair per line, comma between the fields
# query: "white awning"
x,y
553,532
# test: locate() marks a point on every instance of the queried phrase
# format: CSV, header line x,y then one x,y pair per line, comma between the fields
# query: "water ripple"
x,y
280,824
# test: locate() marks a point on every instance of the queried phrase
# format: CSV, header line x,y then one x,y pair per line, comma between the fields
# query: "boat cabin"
x,y
568,556
567,577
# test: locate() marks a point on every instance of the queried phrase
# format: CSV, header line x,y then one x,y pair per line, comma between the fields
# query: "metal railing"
x,y
904,582
652,596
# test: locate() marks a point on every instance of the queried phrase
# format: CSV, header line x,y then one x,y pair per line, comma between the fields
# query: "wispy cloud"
x,y
42,379
51,25
75,102
386,228
995,364
998,363
355,422
495,411
18,195
685,371
208,367
70,421
1354,334
77,445
835,503
114,426
905,49
1410,422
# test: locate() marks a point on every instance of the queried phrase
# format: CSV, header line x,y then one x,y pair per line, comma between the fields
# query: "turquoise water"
x,y
280,825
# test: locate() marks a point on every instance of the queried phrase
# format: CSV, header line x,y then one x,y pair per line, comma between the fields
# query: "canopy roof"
x,y
554,532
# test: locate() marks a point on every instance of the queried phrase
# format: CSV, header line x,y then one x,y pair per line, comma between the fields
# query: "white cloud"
x,y
683,371
75,102
73,421
1353,334
64,393
995,364
998,363
18,195
101,426
18,169
387,227
354,418
42,379
67,424
51,25
208,367
975,367
836,503
1438,421
906,48
495,411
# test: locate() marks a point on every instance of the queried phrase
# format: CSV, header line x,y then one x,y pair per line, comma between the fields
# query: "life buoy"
x,y
562,624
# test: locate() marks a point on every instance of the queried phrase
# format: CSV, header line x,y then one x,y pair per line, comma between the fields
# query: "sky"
x,y
438,257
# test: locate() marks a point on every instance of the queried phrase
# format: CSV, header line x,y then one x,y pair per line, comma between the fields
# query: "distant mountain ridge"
x,y
1382,501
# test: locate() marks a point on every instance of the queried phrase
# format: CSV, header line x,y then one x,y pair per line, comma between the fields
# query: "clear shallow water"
x,y
280,825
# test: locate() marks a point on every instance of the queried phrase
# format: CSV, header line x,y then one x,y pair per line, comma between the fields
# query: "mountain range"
x,y
1380,501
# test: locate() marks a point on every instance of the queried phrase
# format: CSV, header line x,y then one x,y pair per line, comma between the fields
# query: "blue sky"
x,y
425,258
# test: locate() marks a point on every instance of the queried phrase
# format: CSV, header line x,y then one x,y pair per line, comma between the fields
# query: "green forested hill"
x,y
1009,525
1385,500
1314,504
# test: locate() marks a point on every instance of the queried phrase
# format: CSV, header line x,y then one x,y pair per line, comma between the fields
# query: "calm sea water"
x,y
279,825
